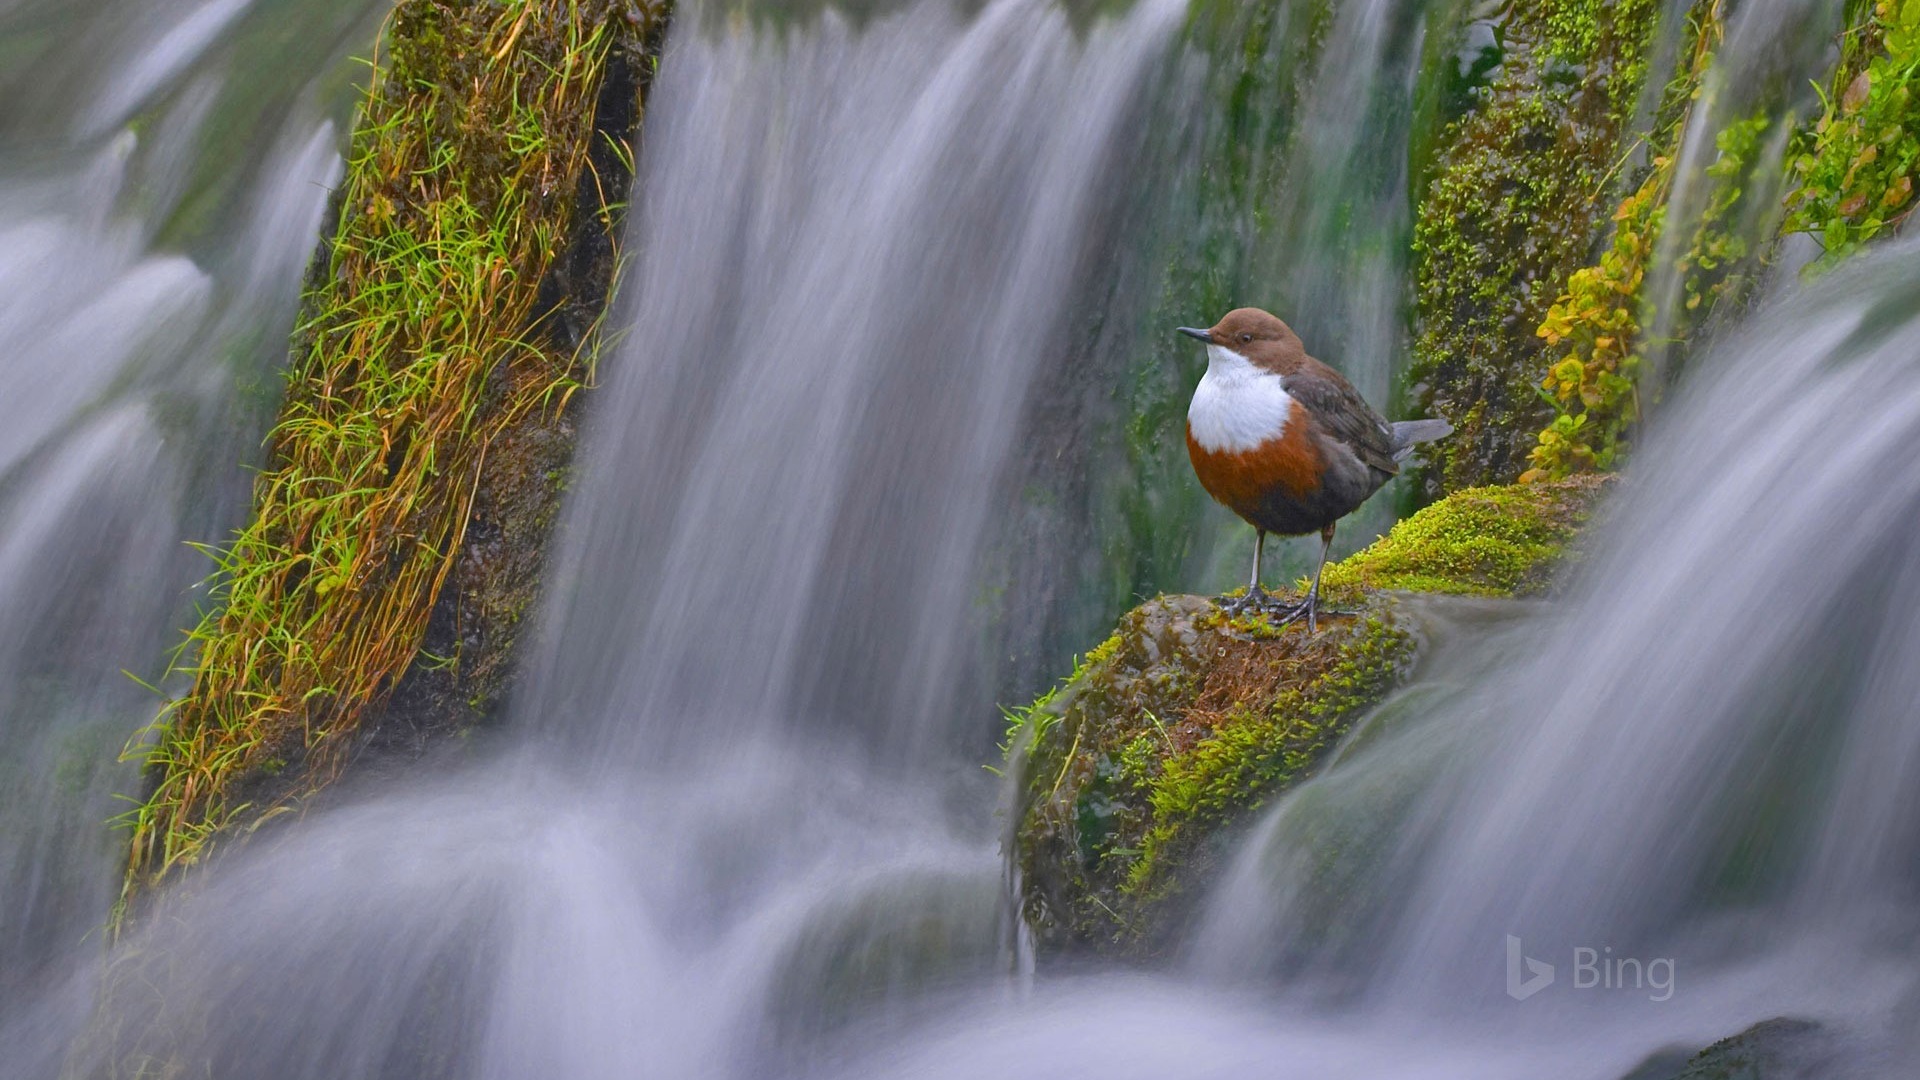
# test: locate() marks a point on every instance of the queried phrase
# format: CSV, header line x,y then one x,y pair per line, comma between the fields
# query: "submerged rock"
x,y
1133,772
1779,1049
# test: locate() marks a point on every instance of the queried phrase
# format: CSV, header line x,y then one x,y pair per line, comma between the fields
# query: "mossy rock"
x,y
1134,772
373,601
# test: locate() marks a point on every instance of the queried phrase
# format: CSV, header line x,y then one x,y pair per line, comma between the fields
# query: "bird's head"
x,y
1250,332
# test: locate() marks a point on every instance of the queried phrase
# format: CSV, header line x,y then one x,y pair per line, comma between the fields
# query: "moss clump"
x,y
1493,541
430,335
1515,205
1132,771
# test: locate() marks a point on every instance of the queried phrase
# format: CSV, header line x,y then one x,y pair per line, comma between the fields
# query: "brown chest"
x,y
1288,466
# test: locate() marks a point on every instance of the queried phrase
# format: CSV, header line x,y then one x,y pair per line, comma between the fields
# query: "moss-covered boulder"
x,y
1132,773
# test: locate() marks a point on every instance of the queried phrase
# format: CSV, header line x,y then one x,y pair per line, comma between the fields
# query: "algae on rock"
x,y
1130,775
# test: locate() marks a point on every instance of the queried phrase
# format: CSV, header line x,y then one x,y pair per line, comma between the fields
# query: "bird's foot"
x,y
1288,614
1310,610
1243,604
1258,602
1255,601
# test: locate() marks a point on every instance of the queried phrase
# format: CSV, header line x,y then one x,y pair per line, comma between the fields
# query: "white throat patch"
x,y
1237,406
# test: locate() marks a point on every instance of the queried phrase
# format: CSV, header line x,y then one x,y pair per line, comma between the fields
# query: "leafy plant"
x,y
1592,386
1856,166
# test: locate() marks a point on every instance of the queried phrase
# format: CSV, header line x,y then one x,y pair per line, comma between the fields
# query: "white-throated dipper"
x,y
1287,443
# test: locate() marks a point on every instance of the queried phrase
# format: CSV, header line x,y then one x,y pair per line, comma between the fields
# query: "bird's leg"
x,y
1256,597
1254,591
1310,606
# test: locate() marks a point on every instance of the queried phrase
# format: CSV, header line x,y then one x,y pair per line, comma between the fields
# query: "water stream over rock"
x,y
736,827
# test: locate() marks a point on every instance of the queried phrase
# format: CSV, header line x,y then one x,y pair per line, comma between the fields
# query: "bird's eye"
x,y
1246,337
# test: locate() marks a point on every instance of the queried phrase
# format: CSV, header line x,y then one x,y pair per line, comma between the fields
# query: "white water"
x,y
737,831
140,331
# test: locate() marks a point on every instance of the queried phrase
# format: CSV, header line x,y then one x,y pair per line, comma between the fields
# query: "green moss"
x,y
1134,770
1515,205
1260,750
1494,541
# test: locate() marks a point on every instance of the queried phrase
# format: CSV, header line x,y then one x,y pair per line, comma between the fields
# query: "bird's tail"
x,y
1409,433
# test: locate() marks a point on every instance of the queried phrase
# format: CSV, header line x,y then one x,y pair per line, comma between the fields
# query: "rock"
x,y
1134,771
1778,1049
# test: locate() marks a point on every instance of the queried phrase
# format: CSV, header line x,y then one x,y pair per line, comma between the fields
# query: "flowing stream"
x,y
736,825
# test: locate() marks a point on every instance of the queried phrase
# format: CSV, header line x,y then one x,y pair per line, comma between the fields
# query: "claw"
x,y
1289,614
1253,600
1308,609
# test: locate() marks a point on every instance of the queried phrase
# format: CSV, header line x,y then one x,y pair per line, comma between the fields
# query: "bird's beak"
x,y
1192,332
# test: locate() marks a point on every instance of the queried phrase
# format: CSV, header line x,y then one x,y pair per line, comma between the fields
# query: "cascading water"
x,y
731,832
739,809
884,228
142,306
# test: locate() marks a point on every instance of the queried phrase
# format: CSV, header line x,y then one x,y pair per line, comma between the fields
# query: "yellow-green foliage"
x,y
1855,168
1513,208
1595,372
1596,321
423,343
1185,719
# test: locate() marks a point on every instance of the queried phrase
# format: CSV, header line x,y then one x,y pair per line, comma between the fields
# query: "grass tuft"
x,y
424,342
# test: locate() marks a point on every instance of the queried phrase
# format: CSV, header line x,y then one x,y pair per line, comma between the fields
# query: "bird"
x,y
1287,443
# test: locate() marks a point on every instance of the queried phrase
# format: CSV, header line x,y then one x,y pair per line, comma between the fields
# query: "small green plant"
x,y
1596,322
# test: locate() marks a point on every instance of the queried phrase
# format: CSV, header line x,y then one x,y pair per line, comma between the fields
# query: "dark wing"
x,y
1342,413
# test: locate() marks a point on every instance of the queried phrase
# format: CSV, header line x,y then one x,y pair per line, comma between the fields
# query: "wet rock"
x,y
1778,1049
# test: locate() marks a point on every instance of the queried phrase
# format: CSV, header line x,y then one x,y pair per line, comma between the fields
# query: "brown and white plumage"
x,y
1285,441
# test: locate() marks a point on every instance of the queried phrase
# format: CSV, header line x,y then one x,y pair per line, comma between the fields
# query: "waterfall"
x,y
740,803
736,826
144,305
858,250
